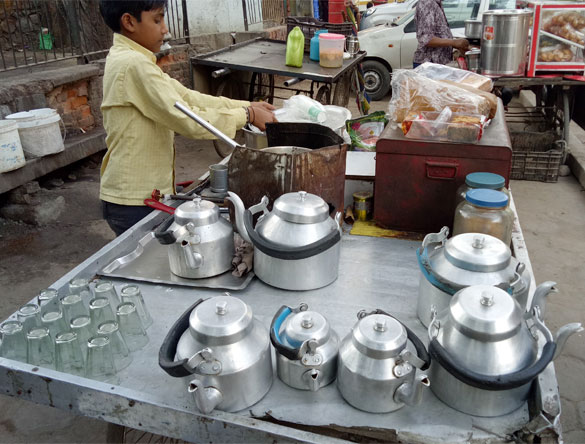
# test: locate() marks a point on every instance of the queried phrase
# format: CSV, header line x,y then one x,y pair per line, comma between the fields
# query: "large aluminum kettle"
x,y
224,349
200,242
296,245
485,351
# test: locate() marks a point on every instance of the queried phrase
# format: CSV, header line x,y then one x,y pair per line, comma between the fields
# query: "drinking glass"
x,y
68,355
131,326
100,311
131,293
120,351
107,289
30,316
81,325
48,300
76,285
72,306
40,348
13,344
100,362
55,322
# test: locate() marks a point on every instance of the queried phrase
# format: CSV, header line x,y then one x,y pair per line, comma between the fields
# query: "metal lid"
x,y
490,181
477,252
301,207
383,335
487,198
224,317
306,325
486,311
199,212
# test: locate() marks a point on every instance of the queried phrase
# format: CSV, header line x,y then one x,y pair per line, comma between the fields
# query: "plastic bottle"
x,y
295,48
307,108
314,52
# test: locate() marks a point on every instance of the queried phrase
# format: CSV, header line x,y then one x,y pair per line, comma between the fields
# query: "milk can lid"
x,y
301,207
199,212
477,252
304,326
381,335
220,317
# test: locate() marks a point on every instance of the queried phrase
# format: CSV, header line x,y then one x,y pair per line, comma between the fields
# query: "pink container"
x,y
331,50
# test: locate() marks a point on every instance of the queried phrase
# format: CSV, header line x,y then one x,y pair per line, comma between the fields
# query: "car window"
x,y
405,18
457,11
410,27
502,4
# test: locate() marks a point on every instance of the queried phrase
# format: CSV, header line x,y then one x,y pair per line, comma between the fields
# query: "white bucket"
x,y
11,155
39,131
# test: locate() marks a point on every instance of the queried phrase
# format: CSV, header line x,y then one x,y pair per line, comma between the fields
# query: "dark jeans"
x,y
414,64
122,217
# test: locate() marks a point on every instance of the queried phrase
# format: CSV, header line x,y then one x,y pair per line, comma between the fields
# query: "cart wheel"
x,y
341,92
230,87
324,95
261,88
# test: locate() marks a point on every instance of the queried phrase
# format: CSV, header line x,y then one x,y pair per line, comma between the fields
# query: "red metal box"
x,y
416,180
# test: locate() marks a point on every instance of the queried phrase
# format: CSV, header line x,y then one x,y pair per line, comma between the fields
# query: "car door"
x,y
408,44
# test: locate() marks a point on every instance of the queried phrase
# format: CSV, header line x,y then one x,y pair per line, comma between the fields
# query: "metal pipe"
x,y
245,11
293,81
220,73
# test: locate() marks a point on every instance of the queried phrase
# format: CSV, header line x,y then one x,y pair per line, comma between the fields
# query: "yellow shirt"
x,y
140,121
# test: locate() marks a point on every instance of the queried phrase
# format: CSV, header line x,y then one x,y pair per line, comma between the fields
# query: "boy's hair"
x,y
113,10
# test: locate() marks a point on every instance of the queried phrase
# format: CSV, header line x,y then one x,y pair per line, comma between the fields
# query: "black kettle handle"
x,y
163,234
166,353
277,321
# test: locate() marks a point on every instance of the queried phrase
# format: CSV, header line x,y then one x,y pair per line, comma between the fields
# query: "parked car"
x,y
392,46
385,14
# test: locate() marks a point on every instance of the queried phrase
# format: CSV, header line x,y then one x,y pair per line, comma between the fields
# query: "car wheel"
x,y
376,79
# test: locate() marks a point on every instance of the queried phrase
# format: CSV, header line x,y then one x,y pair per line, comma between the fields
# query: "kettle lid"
x,y
301,207
199,212
380,335
304,326
486,311
477,252
220,318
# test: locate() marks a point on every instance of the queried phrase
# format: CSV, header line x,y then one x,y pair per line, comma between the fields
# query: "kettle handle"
x,y
166,353
288,352
163,234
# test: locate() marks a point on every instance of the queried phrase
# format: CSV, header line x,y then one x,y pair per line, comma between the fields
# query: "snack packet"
x,y
365,131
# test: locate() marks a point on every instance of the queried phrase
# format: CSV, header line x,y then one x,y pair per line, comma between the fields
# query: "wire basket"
x,y
309,25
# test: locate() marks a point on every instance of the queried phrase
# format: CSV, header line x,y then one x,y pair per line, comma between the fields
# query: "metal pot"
x,y
254,139
297,245
375,371
473,29
306,348
472,59
201,243
485,353
448,265
225,348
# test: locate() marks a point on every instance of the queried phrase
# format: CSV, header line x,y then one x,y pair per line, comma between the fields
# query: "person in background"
x,y
139,114
435,41
324,10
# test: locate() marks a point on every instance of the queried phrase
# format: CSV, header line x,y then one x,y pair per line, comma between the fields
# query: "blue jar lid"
x,y
490,181
486,198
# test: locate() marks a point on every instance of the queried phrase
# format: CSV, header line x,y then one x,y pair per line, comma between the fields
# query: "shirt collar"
x,y
125,42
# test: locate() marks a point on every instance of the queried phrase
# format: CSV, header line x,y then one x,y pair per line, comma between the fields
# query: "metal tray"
x,y
149,262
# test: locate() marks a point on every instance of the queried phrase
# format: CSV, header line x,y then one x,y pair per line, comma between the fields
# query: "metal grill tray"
x,y
149,262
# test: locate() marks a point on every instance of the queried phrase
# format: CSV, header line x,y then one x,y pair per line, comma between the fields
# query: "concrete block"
x,y
46,212
4,111
33,101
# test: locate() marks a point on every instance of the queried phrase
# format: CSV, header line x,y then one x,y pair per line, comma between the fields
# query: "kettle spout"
x,y
563,334
312,379
540,294
239,211
206,398
410,393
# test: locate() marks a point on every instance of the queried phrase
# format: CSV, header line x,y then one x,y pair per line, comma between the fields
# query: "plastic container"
x,y
314,52
39,132
455,127
490,181
331,50
485,211
11,154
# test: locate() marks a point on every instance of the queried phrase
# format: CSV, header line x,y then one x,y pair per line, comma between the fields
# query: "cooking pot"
x,y
297,245
485,353
448,265
306,348
473,29
200,242
225,349
375,370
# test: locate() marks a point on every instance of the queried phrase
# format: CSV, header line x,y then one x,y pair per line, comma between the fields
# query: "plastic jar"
x,y
485,211
488,181
331,50
314,48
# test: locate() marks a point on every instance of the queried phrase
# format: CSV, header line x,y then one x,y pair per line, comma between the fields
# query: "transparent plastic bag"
x,y
568,25
556,53
444,126
306,108
365,130
435,71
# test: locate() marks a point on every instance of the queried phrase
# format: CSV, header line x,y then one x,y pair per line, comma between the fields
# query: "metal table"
x,y
374,273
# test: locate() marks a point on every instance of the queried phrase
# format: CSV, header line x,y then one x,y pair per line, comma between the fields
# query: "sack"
x,y
295,48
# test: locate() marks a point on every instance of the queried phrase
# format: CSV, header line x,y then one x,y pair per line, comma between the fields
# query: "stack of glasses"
x,y
88,332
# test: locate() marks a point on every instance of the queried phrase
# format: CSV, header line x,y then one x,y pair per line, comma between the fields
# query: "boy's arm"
x,y
150,91
199,100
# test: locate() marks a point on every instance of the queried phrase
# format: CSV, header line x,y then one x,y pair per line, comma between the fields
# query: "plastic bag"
x,y
556,53
442,72
295,48
306,108
445,126
365,131
413,93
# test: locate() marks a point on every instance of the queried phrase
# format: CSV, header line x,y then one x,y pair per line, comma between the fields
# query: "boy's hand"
x,y
264,105
261,115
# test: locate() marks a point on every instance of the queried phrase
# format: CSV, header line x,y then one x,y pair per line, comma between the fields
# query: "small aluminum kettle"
x,y
201,243
306,348
485,351
375,371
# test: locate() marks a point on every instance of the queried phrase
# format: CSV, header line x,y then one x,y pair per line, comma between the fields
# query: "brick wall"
x,y
72,101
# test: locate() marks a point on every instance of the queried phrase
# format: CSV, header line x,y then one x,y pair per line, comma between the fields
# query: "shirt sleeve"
x,y
426,18
154,94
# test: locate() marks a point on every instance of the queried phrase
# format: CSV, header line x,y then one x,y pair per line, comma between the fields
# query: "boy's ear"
x,y
128,22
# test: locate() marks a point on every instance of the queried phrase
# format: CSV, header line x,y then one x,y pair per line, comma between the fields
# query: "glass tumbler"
x,y
131,293
100,311
40,348
55,322
48,300
13,344
72,306
76,285
81,325
30,316
131,326
100,362
107,289
68,355
120,351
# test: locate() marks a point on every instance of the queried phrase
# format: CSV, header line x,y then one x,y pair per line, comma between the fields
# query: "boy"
x,y
139,114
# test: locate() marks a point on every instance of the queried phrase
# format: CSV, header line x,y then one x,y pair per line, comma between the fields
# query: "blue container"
x,y
314,49
316,9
